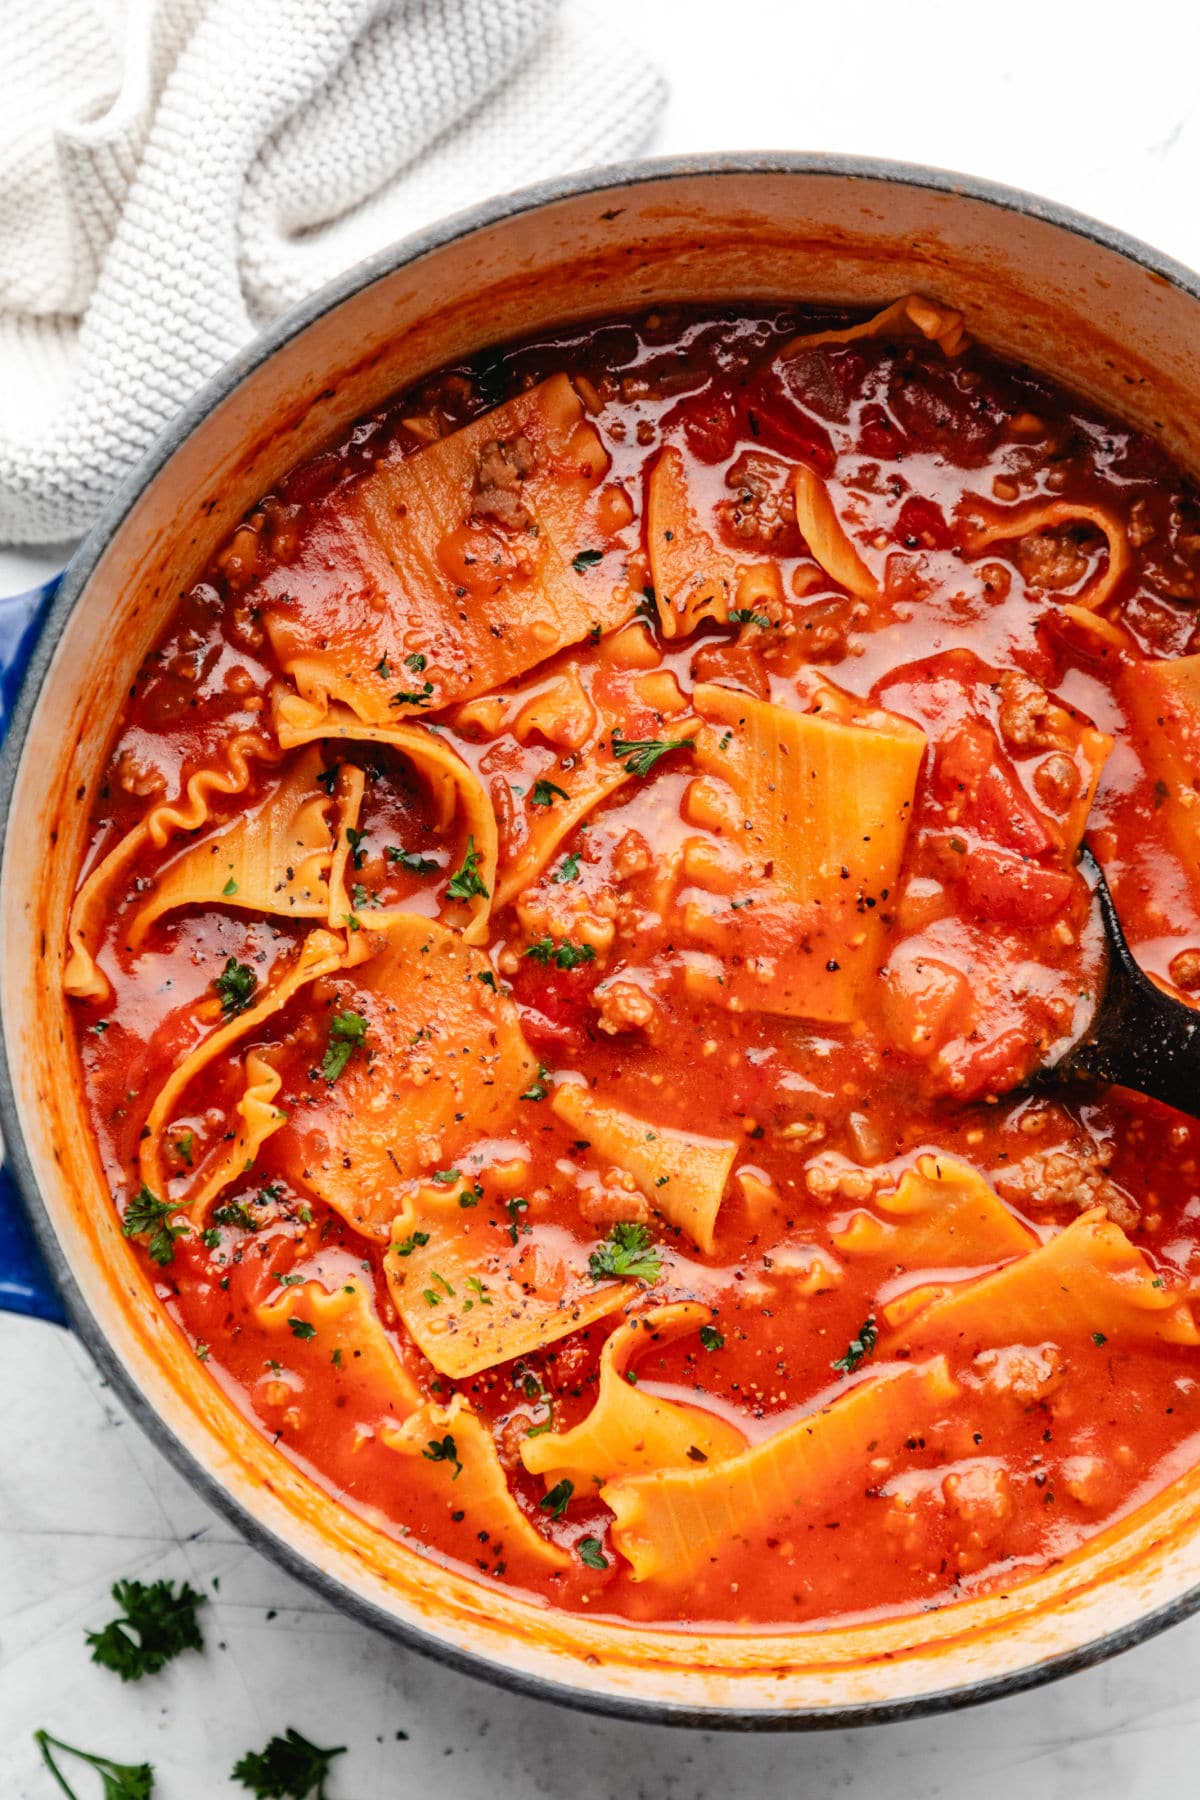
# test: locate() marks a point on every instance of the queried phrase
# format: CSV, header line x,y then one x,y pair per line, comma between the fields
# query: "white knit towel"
x,y
175,172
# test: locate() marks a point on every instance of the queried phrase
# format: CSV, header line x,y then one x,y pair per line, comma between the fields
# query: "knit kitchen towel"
x,y
175,172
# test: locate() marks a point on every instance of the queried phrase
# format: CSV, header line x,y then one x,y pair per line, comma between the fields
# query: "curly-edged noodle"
x,y
817,805
694,577
320,954
93,903
450,572
453,785
673,1523
629,1430
1088,1279
983,525
912,319
471,1299
259,1117
1164,701
273,858
827,537
368,1373
942,1214
682,1173
441,1063
592,780
460,1453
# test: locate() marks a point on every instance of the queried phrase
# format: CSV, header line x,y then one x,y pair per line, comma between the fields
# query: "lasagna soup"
x,y
579,898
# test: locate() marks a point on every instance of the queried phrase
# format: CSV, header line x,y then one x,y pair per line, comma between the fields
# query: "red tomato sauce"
x,y
989,966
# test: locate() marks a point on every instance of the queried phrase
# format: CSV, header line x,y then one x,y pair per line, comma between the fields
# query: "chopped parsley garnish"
x,y
358,855
1099,1338
544,792
569,868
558,1499
745,615
514,1209
539,1089
412,860
643,753
415,1241
235,986
154,1626
488,979
564,956
479,1293
446,1177
466,884
591,1553
626,1253
443,1450
362,897
471,1196
415,662
711,1338
413,697
859,1349
383,668
586,559
229,888
147,1216
302,1329
121,1781
290,1768
346,1032
184,1145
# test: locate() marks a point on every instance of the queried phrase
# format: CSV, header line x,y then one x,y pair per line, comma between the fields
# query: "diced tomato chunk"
x,y
921,523
997,885
973,780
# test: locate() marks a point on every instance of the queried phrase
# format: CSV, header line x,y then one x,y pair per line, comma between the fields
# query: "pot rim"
x,y
219,387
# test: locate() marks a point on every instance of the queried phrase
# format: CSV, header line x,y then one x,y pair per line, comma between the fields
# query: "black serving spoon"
x,y
1138,1037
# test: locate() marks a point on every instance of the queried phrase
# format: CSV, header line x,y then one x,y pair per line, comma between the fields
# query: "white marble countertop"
x,y
1097,109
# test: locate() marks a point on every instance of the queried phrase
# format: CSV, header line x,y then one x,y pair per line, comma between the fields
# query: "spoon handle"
x,y
1140,1037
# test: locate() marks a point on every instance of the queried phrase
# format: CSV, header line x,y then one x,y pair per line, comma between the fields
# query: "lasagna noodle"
x,y
987,525
912,319
470,1303
823,803
369,1372
273,858
320,954
458,1449
418,597
694,578
82,978
941,1214
454,787
442,1063
629,1430
671,1524
682,1173
826,536
1164,701
1088,1279
259,1117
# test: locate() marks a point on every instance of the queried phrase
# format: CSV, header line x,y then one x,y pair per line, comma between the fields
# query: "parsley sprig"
x,y
149,1217
120,1781
443,1450
543,793
465,883
626,1253
643,753
859,1348
235,986
154,1626
564,956
289,1768
346,1032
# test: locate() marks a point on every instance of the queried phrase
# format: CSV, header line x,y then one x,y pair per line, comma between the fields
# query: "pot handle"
x,y
25,1282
